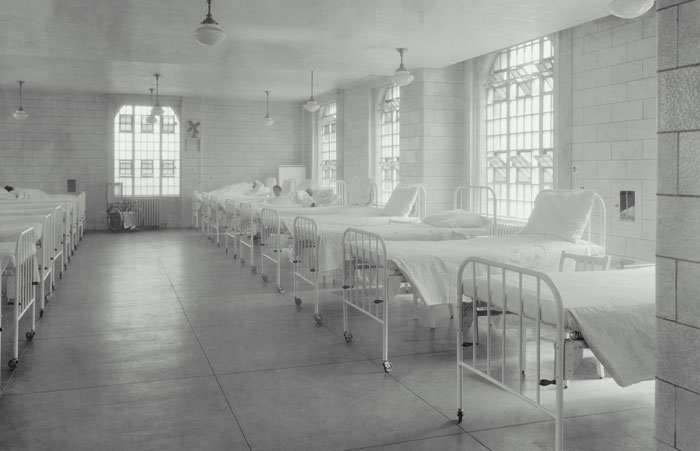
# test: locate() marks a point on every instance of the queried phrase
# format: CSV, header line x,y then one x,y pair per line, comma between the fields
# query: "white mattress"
x,y
613,310
431,267
331,236
7,257
10,230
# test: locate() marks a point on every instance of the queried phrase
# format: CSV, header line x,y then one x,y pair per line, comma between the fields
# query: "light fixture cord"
x,y
267,103
312,84
157,77
20,94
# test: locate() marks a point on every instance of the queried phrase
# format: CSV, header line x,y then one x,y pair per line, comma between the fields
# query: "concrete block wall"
x,y
65,137
235,145
614,120
357,137
678,248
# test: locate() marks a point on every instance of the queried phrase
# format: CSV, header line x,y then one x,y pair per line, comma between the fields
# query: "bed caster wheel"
x,y
280,290
318,318
60,276
347,336
218,245
47,298
460,415
264,277
41,314
297,301
226,250
387,366
53,286
253,269
30,335
243,262
235,256
13,363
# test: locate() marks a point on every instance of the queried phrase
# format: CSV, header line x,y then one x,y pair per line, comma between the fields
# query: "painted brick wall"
x,y
65,137
614,121
678,248
356,120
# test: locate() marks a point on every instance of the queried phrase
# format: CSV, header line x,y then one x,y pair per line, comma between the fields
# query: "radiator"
x,y
148,210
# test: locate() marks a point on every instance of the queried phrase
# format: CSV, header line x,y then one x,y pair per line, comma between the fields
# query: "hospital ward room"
x,y
343,225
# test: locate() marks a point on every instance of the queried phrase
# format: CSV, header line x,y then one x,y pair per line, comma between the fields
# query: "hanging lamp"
x,y
402,77
209,32
157,110
311,105
629,9
151,119
267,120
20,114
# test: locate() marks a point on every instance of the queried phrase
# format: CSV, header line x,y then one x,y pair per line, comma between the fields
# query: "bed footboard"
x,y
26,278
272,242
305,259
247,234
366,283
495,274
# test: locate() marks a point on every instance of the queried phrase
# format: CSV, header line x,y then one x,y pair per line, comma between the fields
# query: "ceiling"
x,y
115,46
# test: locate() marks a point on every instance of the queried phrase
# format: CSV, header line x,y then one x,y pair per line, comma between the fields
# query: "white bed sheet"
x,y
331,236
431,267
613,310
11,229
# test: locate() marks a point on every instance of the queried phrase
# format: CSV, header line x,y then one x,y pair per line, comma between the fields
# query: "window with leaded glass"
x,y
146,157
328,156
520,126
389,142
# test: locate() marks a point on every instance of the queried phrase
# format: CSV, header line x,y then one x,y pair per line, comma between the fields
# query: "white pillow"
x,y
302,198
563,214
6,195
324,197
457,218
401,201
360,191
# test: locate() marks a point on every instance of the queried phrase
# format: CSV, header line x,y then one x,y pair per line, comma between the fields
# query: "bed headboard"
x,y
476,199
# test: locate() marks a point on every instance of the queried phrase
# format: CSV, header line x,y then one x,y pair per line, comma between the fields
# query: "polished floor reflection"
x,y
162,341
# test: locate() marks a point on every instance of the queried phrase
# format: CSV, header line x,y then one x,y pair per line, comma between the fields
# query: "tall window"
x,y
389,143
520,125
328,156
147,156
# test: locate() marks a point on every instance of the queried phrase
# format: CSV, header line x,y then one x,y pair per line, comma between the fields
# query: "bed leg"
x,y
600,369
452,310
432,317
415,306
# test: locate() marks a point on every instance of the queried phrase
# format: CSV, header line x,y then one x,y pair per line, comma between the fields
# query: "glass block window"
x,y
147,159
389,137
145,126
168,124
126,123
327,148
520,126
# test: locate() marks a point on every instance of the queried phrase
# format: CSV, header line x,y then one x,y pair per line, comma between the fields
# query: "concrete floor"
x,y
160,340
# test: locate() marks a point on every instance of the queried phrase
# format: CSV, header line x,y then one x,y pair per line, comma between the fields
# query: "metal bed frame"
x,y
246,236
204,222
232,224
272,242
306,247
356,245
25,288
196,204
215,213
568,345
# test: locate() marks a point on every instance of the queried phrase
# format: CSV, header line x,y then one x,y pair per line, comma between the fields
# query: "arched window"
x,y
327,156
520,126
390,137
147,156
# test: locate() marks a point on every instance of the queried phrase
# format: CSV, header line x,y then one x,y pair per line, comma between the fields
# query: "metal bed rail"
x,y
196,205
496,273
247,234
341,191
305,259
366,283
232,226
272,242
205,214
46,249
25,271
215,219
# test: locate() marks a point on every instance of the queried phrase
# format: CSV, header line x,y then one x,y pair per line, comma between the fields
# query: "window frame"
x,y
329,146
388,147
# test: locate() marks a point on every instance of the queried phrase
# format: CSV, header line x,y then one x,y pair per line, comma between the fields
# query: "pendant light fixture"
x,y
402,77
311,105
267,120
157,110
209,32
20,114
629,9
151,119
